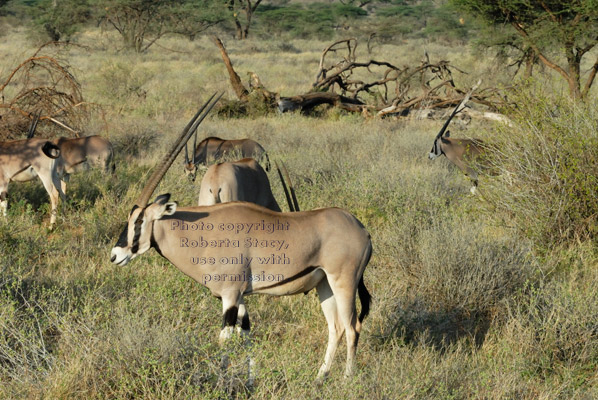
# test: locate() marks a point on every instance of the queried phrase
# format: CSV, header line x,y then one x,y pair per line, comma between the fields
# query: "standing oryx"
x,y
236,249
243,180
213,149
461,152
81,154
23,160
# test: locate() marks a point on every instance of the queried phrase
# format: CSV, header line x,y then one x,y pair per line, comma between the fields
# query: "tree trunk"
x,y
235,81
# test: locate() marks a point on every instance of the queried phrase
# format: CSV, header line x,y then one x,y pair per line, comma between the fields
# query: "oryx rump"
x,y
243,180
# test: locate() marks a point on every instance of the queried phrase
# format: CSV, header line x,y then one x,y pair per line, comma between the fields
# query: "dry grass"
x,y
461,308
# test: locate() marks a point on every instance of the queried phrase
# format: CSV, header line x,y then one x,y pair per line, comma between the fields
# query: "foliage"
x,y
142,22
303,21
545,26
547,171
61,19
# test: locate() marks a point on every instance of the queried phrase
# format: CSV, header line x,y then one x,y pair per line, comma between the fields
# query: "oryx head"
x,y
443,134
136,238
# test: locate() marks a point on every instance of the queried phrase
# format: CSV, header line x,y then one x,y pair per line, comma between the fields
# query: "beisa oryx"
x,y
23,160
237,249
463,153
80,154
242,180
214,149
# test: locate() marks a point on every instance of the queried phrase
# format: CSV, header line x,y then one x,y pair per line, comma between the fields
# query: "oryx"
x,y
461,152
23,160
242,180
214,149
81,154
236,249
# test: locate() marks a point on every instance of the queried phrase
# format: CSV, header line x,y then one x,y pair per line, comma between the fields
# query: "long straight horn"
x,y
284,187
291,187
194,147
33,125
458,109
177,146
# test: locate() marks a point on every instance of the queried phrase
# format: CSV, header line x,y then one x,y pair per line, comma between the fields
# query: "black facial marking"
x,y
122,239
137,232
230,317
292,278
245,325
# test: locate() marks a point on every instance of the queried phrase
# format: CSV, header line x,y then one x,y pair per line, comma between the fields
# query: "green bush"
x,y
547,170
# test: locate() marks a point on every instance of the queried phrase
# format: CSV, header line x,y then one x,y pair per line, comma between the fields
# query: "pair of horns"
x,y
33,125
458,109
177,146
294,205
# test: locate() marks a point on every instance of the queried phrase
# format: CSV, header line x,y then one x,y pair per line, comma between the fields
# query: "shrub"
x,y
547,171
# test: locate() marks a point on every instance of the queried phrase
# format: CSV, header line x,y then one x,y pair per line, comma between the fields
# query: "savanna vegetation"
x,y
489,296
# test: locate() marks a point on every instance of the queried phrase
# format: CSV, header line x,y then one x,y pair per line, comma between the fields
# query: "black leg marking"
x,y
3,196
230,317
245,325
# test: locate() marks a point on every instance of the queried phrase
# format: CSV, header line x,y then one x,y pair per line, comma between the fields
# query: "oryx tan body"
x,y
23,160
82,154
326,248
243,180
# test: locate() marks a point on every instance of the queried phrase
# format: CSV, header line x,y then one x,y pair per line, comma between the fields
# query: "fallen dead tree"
x,y
373,87
43,85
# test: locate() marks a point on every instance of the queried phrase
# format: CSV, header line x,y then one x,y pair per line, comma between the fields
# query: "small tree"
x,y
60,19
142,22
549,28
247,8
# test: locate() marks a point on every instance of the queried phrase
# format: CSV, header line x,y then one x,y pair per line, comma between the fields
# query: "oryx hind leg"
x,y
347,315
230,313
244,328
4,199
335,327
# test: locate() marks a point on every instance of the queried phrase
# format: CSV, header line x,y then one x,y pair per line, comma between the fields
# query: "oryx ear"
x,y
163,206
447,134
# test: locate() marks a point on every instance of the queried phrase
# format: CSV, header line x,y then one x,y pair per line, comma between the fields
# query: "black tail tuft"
x,y
365,297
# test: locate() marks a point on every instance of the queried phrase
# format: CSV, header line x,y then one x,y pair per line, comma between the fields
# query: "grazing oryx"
x,y
243,180
461,152
236,249
214,148
22,160
81,154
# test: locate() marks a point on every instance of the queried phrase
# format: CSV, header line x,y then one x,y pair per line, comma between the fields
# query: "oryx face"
x,y
191,171
135,239
437,146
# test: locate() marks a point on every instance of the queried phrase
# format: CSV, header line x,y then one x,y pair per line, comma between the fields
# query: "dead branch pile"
x,y
375,86
42,84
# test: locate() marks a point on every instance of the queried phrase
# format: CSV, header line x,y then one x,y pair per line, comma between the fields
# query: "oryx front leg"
x,y
335,328
230,312
53,192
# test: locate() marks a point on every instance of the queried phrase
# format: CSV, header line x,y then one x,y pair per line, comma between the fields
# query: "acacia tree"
x,y
247,8
142,22
551,28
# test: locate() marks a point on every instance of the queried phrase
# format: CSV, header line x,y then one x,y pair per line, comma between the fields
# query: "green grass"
x,y
461,307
